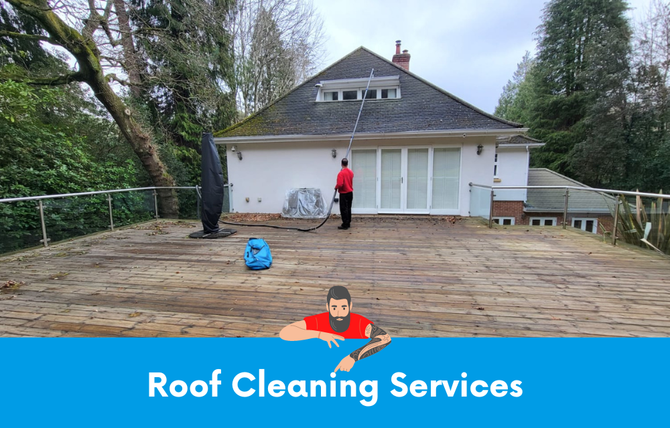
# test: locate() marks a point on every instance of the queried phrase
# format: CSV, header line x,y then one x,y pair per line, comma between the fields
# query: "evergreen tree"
x,y
581,68
184,53
517,94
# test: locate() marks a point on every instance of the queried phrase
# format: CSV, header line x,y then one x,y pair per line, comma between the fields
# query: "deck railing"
x,y
30,221
571,206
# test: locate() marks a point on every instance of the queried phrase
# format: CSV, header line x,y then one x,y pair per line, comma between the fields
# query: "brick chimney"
x,y
401,59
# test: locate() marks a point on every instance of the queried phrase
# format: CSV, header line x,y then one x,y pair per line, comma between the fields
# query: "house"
x,y
416,147
587,210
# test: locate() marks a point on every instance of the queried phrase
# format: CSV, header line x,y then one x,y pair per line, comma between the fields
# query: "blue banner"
x,y
270,382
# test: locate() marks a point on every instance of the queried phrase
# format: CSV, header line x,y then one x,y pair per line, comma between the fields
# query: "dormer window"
x,y
381,88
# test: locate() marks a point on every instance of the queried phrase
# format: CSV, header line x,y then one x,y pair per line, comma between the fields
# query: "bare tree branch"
x,y
113,77
29,36
105,24
93,21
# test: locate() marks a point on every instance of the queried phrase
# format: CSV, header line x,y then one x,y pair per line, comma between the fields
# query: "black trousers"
x,y
346,199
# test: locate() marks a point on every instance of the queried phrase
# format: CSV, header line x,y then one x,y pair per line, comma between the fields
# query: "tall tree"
x,y
599,158
580,42
514,102
277,44
649,111
185,53
85,49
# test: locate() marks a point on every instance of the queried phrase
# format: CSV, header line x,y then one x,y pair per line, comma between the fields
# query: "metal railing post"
x,y
197,201
565,208
491,210
616,221
111,215
44,239
155,204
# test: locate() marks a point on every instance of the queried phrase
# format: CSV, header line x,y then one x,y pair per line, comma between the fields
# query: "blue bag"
x,y
257,255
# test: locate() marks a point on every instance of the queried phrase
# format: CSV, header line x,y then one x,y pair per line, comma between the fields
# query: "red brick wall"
x,y
509,209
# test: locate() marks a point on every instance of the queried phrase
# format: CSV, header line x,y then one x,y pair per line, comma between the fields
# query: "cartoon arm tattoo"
x,y
380,339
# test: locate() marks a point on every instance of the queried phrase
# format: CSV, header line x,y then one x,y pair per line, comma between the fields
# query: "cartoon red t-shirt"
x,y
356,330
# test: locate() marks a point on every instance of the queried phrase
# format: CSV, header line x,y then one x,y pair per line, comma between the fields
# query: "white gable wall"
x,y
268,170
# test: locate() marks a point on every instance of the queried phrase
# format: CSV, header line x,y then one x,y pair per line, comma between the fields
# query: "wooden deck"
x,y
415,277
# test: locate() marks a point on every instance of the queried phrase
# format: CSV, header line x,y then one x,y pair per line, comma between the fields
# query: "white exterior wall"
x,y
476,169
268,170
512,171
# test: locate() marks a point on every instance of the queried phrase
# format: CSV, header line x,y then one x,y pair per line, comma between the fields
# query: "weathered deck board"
x,y
421,277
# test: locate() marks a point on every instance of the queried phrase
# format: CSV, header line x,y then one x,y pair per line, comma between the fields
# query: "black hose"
x,y
372,72
289,228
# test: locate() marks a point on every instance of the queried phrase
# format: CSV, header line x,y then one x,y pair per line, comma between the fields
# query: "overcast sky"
x,y
470,48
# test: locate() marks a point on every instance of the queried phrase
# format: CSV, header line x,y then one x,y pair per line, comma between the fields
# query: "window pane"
x,y
507,221
349,95
535,222
330,96
577,224
417,179
364,165
372,94
390,184
496,220
549,222
446,173
589,226
389,93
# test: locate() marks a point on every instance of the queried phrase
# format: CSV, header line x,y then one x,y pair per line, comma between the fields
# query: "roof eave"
x,y
462,133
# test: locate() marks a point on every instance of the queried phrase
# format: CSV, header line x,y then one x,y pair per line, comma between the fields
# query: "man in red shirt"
x,y
345,186
339,324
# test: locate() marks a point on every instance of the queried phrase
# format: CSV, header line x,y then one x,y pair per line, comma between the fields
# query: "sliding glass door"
x,y
407,180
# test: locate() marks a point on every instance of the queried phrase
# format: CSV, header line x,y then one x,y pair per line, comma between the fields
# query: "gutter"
x,y
560,211
455,133
519,146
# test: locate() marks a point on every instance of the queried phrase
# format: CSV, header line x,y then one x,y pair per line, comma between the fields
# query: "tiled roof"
x,y
548,200
422,106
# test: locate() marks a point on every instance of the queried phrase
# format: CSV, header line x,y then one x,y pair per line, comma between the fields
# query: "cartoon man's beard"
x,y
339,326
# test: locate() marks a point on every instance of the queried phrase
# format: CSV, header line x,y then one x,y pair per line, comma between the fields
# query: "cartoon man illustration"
x,y
339,323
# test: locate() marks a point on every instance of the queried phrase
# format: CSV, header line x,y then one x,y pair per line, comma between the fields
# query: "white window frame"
x,y
554,221
502,219
584,220
358,85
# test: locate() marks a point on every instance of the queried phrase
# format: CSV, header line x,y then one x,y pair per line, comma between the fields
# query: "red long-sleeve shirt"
x,y
345,181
